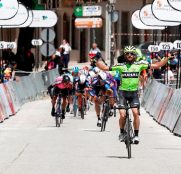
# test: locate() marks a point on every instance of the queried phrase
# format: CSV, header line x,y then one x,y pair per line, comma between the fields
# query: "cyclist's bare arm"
x,y
100,64
159,64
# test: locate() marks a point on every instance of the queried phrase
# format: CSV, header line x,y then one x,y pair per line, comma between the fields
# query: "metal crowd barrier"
x,y
163,103
14,94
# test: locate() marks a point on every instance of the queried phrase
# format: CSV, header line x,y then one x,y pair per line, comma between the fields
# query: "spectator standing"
x,y
66,55
94,50
169,76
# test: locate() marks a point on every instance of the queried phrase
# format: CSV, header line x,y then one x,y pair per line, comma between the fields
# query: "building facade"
x,y
113,36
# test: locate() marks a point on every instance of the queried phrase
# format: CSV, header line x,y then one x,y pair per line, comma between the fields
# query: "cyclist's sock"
x,y
98,116
63,111
136,132
121,131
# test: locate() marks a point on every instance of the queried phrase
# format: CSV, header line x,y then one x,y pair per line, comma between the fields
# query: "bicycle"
x,y
128,129
105,112
58,111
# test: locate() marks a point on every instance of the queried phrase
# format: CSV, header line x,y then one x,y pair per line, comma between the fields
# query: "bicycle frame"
x,y
105,112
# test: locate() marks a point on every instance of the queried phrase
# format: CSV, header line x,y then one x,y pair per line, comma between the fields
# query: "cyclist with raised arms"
x,y
128,90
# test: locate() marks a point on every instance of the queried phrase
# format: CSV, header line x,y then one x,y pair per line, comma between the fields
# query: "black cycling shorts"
x,y
128,96
64,92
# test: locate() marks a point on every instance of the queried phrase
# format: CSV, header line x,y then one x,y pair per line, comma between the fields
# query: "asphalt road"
x,y
31,144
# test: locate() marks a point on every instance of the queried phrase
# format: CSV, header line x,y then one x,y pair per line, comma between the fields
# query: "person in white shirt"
x,y
94,49
169,76
66,54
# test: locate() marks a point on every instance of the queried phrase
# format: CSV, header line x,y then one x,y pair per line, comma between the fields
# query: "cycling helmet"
x,y
82,78
96,70
85,68
98,55
66,79
102,75
75,69
130,49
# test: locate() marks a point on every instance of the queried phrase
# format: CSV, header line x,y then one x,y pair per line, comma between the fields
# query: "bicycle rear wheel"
x,y
75,107
83,108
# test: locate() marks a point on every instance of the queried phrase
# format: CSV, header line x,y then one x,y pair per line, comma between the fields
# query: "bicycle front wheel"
x,y
57,121
104,118
128,137
83,108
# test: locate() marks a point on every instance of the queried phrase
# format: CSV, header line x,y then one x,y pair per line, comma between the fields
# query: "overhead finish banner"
x,y
149,19
163,11
8,8
137,23
26,24
19,19
43,18
175,4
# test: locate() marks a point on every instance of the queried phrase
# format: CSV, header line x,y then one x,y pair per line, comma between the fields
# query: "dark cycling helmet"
x,y
66,79
98,55
130,49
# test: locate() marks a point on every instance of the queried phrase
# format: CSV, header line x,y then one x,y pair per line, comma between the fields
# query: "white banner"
x,y
94,10
163,11
175,4
26,24
7,45
8,8
137,23
153,48
166,46
177,44
147,17
43,18
36,42
19,19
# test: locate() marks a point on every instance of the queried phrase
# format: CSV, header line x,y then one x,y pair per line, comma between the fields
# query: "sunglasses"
x,y
132,54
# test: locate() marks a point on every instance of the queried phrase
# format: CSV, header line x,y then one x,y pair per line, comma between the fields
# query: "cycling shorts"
x,y
128,96
65,92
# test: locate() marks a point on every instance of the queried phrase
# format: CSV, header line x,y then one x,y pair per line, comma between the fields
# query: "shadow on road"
x,y
118,157
93,130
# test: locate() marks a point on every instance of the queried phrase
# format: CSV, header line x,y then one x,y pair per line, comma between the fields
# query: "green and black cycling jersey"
x,y
130,74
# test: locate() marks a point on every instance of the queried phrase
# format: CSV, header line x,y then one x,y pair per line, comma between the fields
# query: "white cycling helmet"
x,y
96,70
102,75
82,78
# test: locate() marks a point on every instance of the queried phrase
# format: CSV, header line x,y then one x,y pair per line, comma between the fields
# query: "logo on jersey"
x,y
130,74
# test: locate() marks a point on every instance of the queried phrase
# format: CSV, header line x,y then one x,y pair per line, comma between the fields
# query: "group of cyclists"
x,y
121,82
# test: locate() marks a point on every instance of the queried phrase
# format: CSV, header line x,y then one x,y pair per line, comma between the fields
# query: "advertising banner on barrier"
x,y
2,112
7,110
14,96
9,98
